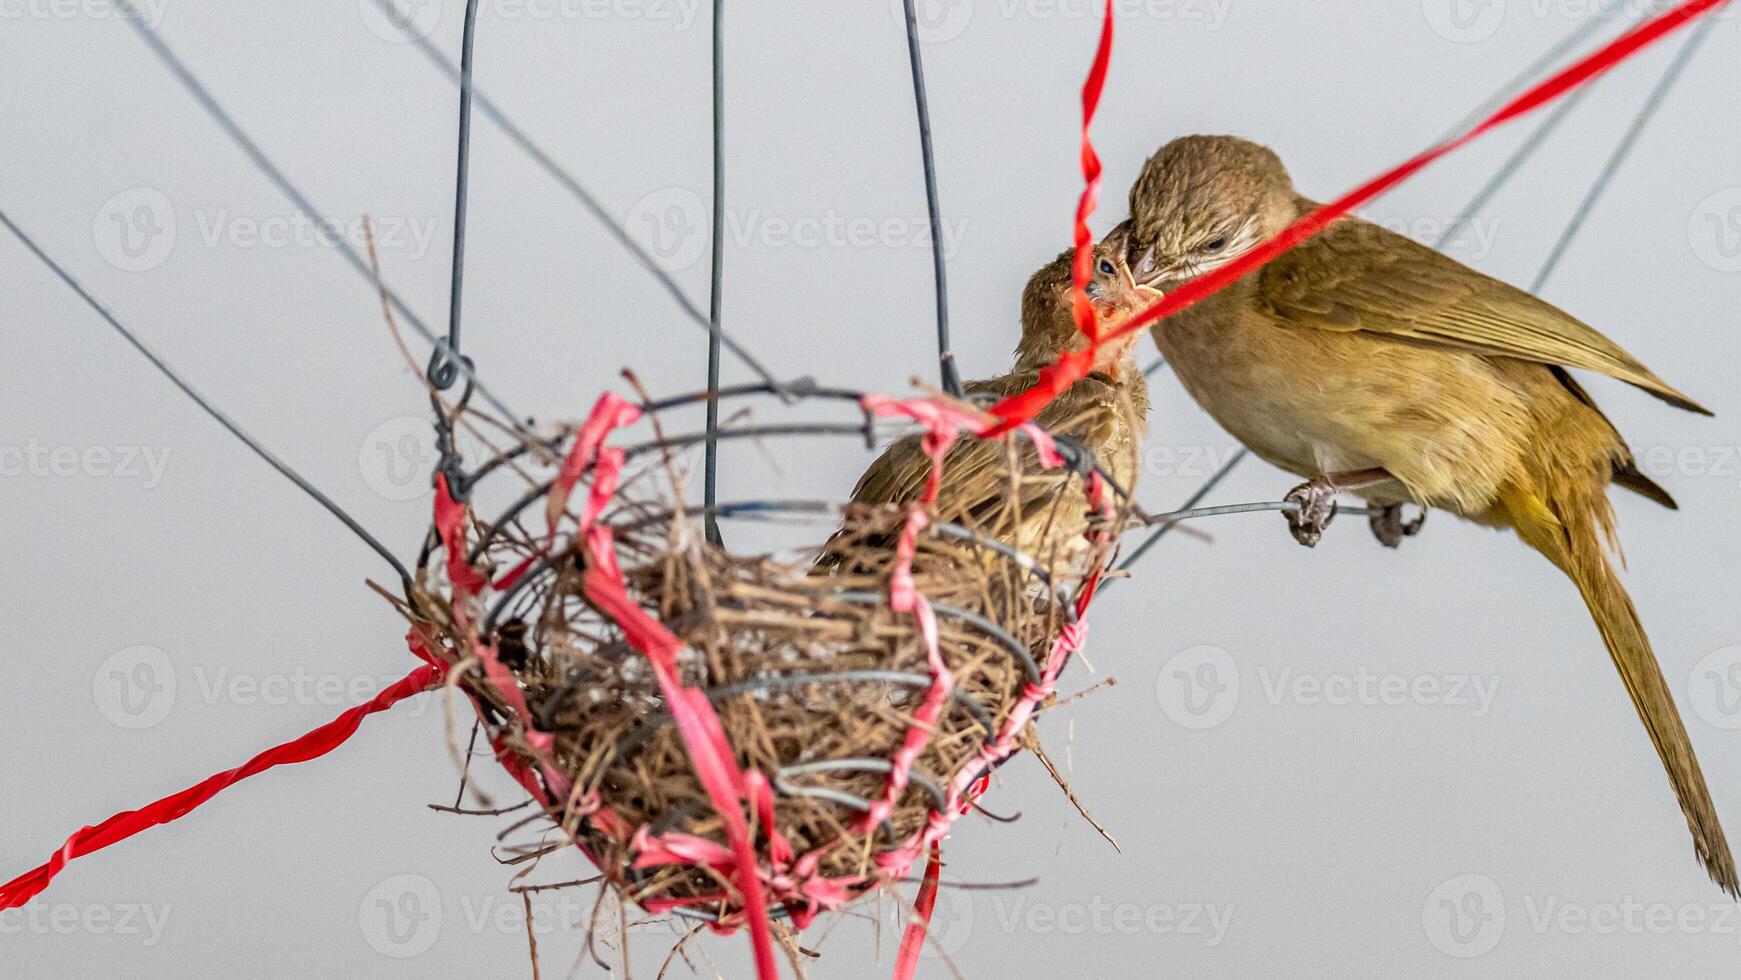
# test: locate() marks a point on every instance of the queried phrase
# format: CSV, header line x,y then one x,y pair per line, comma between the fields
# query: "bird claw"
x,y
1314,509
1389,527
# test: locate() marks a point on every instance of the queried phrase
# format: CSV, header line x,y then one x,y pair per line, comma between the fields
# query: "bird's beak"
x,y
1146,270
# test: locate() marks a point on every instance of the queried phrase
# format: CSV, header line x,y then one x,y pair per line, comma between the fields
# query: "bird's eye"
x,y
1107,268
1216,244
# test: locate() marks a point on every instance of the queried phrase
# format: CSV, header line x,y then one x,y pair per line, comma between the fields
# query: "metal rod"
x,y
264,164
190,391
927,155
1646,113
710,464
545,162
442,370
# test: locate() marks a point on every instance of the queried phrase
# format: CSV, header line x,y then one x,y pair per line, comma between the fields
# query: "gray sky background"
x,y
171,606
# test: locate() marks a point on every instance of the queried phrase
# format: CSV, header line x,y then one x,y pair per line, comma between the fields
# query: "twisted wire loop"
x,y
861,724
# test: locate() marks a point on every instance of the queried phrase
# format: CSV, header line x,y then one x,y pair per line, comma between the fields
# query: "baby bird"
x,y
1104,413
1373,365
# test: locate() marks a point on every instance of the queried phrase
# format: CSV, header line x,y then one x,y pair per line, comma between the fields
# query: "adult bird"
x,y
1373,365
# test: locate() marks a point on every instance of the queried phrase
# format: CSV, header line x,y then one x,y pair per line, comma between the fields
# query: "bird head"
x,y
1200,203
1048,322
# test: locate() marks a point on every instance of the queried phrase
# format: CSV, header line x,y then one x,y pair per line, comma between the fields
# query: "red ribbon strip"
x,y
129,822
1074,366
913,940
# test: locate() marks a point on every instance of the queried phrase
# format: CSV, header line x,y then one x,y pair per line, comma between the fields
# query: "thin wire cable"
x,y
569,183
210,409
710,462
945,356
261,161
1547,59
1196,498
1652,104
1515,162
442,371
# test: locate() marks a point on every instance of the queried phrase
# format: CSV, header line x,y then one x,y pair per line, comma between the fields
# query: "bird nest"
x,y
859,693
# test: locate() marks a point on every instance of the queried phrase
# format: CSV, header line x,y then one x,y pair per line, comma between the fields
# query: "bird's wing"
x,y
1364,277
976,479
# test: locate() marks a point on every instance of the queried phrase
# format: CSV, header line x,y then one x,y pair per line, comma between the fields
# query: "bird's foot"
x,y
1314,508
1389,527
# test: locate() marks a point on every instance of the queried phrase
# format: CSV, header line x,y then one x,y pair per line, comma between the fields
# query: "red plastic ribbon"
x,y
129,822
913,940
1082,265
1074,366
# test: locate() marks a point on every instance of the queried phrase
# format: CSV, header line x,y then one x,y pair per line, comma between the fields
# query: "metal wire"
x,y
1195,498
190,391
442,371
710,463
575,189
264,164
1652,104
945,356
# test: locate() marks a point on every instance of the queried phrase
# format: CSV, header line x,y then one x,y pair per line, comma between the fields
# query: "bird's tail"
x,y
1570,526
